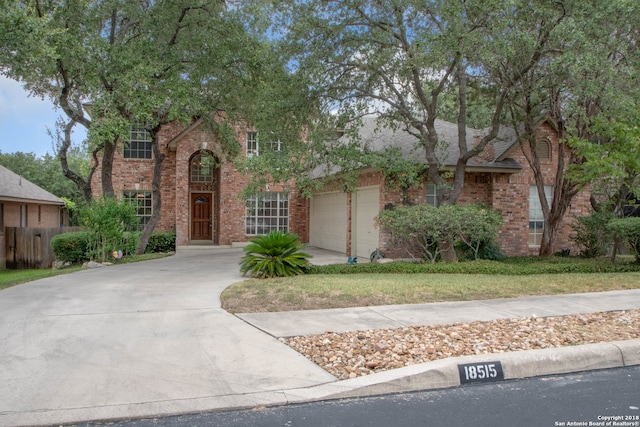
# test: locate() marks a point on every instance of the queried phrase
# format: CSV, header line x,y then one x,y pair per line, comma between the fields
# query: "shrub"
x,y
627,230
71,247
471,227
277,254
107,221
162,242
592,234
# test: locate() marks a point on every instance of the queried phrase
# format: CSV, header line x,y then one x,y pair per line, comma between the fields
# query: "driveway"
x,y
137,339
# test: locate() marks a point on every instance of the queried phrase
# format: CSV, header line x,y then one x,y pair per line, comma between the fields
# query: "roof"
x,y
13,187
377,138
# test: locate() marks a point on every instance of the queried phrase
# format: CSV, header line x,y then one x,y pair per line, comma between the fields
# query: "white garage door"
x,y
328,229
366,206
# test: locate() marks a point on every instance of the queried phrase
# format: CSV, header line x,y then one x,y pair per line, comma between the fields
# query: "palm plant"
x,y
276,254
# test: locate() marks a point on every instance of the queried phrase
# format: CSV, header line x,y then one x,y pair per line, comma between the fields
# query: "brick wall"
x,y
228,208
507,193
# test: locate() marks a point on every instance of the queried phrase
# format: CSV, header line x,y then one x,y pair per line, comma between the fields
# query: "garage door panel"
x,y
366,206
328,228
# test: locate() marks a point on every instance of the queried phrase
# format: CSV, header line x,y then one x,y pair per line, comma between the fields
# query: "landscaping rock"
x,y
358,353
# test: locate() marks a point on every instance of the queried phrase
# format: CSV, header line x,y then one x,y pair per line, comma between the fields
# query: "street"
x,y
596,398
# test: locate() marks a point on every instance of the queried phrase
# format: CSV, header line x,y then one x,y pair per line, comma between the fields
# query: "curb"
x,y
433,375
444,373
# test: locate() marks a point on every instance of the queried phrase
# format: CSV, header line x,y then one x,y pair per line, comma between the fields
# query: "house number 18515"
x,y
480,372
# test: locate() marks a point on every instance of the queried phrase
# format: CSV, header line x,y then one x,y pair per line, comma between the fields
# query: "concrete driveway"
x,y
137,339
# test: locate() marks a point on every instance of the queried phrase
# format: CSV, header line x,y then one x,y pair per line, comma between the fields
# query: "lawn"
x,y
320,291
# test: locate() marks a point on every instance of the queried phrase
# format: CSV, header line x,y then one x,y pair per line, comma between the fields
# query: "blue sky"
x,y
24,120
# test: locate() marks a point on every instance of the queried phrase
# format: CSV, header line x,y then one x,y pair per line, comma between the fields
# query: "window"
x,y
202,168
253,145
536,217
1,218
267,212
143,201
543,149
432,196
139,144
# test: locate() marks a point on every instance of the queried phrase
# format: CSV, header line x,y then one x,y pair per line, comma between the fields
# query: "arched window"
x,y
543,149
202,166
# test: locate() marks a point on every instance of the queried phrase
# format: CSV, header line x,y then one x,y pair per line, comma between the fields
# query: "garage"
x,y
365,208
328,228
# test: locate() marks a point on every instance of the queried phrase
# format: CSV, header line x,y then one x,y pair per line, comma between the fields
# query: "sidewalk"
x,y
309,322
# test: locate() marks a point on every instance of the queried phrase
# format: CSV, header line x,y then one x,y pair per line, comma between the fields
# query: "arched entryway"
x,y
204,181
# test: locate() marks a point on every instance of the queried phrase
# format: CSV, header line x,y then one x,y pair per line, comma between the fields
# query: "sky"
x,y
24,120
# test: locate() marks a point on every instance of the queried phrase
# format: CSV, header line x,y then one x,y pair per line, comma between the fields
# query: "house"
x,y
24,204
201,192
500,177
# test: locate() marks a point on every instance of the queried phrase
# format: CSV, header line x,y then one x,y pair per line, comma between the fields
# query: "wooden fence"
x,y
31,247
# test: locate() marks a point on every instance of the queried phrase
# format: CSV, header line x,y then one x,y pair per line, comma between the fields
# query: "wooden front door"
x,y
201,216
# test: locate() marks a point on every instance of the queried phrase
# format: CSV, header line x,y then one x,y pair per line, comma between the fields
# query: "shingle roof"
x,y
377,138
16,188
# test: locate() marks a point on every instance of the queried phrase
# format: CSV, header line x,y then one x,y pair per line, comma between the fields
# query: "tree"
x,y
109,64
588,69
410,63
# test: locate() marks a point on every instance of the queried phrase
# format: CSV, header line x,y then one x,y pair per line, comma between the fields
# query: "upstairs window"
x,y
202,166
543,149
254,147
138,146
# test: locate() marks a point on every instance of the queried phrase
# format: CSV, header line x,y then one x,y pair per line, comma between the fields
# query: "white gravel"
x,y
352,354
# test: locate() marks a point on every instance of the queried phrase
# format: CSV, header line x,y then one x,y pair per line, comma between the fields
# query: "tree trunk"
x,y
84,185
448,251
157,198
107,169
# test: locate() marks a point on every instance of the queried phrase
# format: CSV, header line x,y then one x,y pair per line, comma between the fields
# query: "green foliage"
x,y
107,220
71,247
276,254
592,234
627,230
163,242
509,266
471,227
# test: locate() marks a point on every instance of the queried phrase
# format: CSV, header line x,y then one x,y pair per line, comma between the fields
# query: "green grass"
x,y
323,291
10,278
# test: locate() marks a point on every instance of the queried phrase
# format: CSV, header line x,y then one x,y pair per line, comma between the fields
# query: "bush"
x,y
508,266
592,234
162,242
71,247
107,221
470,227
627,230
277,254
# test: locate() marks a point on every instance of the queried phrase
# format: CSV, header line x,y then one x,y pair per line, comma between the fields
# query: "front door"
x,y
201,216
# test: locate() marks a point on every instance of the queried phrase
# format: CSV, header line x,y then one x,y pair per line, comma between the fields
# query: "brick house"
x,y
500,178
200,192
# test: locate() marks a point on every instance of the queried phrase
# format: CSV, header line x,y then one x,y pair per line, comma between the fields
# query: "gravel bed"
x,y
352,354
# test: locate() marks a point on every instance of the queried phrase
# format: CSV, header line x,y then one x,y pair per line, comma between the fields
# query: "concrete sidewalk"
x,y
150,339
308,322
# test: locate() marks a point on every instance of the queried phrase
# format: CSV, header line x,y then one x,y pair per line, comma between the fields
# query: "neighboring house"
x,y
24,204
201,192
